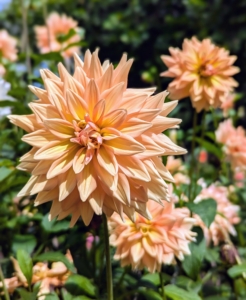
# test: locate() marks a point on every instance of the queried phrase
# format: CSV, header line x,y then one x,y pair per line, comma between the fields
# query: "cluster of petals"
x,y
96,143
201,71
228,103
226,217
151,243
234,143
57,26
176,168
8,48
49,278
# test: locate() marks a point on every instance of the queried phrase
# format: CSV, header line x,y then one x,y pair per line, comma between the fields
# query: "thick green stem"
x,y
6,293
162,286
192,154
108,260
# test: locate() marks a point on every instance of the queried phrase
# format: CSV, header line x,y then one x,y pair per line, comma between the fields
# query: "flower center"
x,y
87,134
206,70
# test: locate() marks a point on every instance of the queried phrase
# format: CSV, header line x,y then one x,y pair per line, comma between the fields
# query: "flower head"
x,y
7,46
201,71
152,243
95,142
49,36
228,103
234,140
226,217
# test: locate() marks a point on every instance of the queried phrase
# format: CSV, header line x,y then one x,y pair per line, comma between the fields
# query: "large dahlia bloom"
x,y
56,27
150,244
226,217
95,142
234,143
201,71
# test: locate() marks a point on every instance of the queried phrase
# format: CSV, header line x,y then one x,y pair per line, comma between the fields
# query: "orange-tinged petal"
x,y
107,160
38,138
114,119
78,162
67,183
91,95
86,182
26,122
53,150
60,128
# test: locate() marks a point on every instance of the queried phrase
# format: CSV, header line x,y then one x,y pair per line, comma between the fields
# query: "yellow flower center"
x,y
206,70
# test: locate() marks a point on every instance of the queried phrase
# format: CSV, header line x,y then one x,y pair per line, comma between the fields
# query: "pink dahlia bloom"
x,y
151,243
228,104
96,143
57,26
234,141
8,48
226,217
201,71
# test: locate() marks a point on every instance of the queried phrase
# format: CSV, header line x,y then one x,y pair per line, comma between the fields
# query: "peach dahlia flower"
x,y
95,142
226,217
234,143
57,26
152,243
8,48
201,71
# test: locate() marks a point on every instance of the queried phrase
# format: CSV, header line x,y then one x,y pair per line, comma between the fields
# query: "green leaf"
x,y
64,37
206,209
5,172
77,285
192,263
210,147
176,293
54,226
26,294
153,278
150,294
25,242
51,296
25,263
53,257
236,271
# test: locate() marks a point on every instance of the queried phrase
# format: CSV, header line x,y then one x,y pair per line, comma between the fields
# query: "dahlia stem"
x,y
192,153
5,290
162,286
108,260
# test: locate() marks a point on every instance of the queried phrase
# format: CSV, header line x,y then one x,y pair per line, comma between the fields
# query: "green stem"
x,y
192,153
108,260
118,286
5,290
162,286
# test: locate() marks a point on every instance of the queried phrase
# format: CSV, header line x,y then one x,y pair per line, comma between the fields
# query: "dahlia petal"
x,y
40,93
151,250
53,150
38,138
87,62
122,74
113,96
76,105
86,182
86,212
28,187
95,66
62,164
124,145
152,148
133,167
42,167
160,124
44,111
96,201
129,103
137,252
26,122
46,196
122,193
60,128
114,119
98,112
138,193
78,162
42,184
75,217
67,183
162,170
91,95
105,81
109,133
81,77
134,127
107,160
54,210
168,107
77,61
27,166
109,180
156,101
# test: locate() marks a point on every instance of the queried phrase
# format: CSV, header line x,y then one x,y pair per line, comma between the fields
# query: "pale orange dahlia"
x,y
95,142
234,143
201,71
226,217
8,48
150,244
57,26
